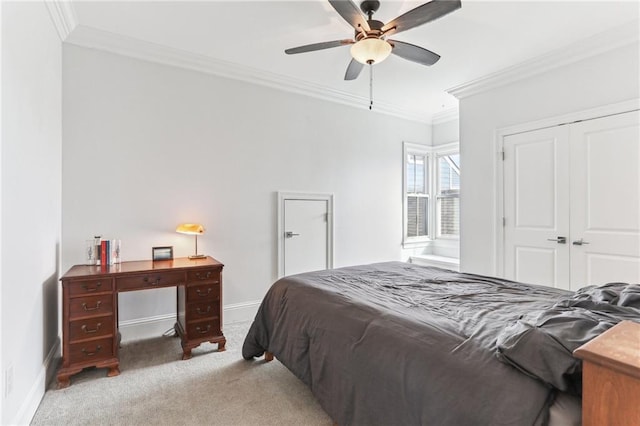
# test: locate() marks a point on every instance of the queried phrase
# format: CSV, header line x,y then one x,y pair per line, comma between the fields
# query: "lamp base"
x,y
197,256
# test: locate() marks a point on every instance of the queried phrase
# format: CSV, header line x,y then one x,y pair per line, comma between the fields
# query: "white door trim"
x,y
288,195
498,166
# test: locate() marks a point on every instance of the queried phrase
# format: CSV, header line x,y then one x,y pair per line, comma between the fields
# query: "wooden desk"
x,y
90,336
611,377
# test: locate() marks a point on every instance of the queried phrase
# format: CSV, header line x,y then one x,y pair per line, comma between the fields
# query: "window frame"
x,y
443,151
409,148
432,154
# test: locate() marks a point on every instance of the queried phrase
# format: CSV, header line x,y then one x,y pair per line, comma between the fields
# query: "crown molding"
x,y
445,116
63,16
592,46
93,38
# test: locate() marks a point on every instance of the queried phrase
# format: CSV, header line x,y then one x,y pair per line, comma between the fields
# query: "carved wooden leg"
x,y
64,375
63,381
268,356
113,371
186,353
221,345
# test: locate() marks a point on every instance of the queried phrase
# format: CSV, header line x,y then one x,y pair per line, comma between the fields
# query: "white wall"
x,y
147,146
446,132
596,81
31,203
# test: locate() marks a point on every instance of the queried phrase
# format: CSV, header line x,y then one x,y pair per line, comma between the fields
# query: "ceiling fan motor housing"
x,y
375,30
369,7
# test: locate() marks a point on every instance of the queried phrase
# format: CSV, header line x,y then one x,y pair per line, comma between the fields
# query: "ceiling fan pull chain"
x,y
370,85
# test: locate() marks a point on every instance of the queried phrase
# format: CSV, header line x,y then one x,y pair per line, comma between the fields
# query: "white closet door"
x,y
536,207
605,206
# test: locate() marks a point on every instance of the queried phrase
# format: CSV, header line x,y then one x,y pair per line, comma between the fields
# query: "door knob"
x,y
559,240
579,242
290,234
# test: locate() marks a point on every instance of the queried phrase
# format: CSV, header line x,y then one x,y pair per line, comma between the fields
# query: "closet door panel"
x,y
605,200
536,207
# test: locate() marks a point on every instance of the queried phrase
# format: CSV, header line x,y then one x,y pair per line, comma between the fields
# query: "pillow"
x,y
613,294
630,296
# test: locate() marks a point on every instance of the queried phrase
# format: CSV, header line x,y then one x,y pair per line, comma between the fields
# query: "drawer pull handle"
x,y
156,282
200,312
95,330
98,349
98,303
96,288
203,294
199,330
203,276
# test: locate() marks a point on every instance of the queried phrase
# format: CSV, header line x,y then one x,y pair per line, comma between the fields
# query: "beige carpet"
x,y
155,387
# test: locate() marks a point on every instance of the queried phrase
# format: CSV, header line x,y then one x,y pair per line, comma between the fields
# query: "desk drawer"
x,y
200,329
90,328
208,309
205,275
150,280
90,306
91,350
199,293
87,287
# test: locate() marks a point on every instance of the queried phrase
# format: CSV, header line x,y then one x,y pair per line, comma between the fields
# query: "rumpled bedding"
x,y
401,344
541,343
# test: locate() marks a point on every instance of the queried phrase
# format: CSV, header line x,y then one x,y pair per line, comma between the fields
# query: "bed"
x,y
397,343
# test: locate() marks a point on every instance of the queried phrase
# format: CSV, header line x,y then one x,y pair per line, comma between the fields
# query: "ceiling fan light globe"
x,y
370,50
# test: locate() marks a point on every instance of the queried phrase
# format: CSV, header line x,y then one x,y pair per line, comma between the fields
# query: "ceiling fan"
x,y
370,44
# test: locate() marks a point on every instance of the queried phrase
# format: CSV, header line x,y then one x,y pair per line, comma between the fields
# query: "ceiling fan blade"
x,y
318,46
421,15
413,53
350,13
353,70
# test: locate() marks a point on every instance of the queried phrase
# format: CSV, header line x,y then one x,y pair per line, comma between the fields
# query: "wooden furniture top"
x,y
84,271
617,348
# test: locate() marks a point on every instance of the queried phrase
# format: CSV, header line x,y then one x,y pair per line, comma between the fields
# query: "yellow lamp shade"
x,y
190,228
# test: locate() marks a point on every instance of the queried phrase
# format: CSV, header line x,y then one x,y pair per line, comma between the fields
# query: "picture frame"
x,y
162,253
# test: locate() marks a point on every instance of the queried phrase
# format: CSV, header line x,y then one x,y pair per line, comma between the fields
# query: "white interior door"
x,y
605,207
305,234
536,207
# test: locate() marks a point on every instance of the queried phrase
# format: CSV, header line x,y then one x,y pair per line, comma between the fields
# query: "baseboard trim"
x,y
144,328
239,312
138,328
28,408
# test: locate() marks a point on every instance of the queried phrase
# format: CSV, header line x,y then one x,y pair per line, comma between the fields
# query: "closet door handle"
x,y
580,242
559,240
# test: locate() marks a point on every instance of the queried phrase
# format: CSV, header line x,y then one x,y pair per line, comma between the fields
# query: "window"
x,y
430,171
417,195
448,206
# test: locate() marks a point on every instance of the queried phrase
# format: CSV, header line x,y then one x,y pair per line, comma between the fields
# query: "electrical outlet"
x,y
8,381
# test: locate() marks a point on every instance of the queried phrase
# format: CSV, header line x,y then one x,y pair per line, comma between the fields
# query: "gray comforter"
x,y
400,344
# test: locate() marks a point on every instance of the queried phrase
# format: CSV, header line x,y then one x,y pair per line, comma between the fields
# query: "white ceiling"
x,y
479,39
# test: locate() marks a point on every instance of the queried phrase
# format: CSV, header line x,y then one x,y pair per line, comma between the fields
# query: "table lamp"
x,y
192,229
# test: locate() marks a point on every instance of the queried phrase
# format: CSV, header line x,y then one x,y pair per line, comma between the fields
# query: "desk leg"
x,y
64,380
186,353
221,345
